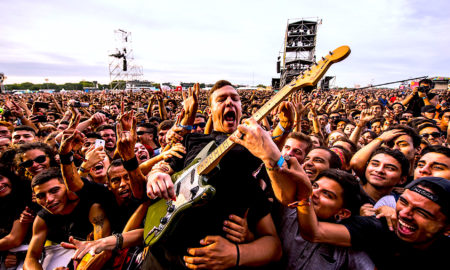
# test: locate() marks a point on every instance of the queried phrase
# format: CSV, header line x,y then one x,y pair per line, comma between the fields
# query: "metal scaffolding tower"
x,y
299,50
121,65
2,79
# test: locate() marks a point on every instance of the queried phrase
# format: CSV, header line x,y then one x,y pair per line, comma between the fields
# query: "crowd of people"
x,y
327,180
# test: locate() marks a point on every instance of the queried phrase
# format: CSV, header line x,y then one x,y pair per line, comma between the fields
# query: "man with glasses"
x,y
431,133
147,136
199,124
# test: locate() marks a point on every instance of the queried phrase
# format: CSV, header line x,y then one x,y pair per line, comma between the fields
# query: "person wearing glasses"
x,y
199,124
147,136
431,133
33,158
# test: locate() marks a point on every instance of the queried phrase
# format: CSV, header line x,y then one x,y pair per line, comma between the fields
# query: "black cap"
x,y
440,191
429,108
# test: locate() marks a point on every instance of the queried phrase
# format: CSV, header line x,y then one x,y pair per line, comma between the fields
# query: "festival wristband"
x,y
279,163
187,127
131,164
66,159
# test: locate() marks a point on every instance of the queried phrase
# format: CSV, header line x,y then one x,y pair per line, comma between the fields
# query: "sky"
x,y
205,41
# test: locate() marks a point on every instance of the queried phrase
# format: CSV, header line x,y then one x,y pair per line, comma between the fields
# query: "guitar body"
x,y
191,190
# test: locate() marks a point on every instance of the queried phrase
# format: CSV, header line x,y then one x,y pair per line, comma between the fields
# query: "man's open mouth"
x,y
99,168
405,228
143,156
124,193
230,117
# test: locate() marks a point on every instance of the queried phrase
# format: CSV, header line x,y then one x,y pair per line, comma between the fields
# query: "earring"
x,y
337,218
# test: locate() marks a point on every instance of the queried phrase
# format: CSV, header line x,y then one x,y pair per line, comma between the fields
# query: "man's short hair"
x,y
352,194
353,146
155,118
399,156
8,125
25,128
397,103
436,149
427,81
216,86
115,163
166,124
105,127
47,175
377,103
148,126
427,125
335,161
302,138
440,114
416,138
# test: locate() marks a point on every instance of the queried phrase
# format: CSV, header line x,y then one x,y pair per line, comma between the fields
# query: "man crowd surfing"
x,y
328,180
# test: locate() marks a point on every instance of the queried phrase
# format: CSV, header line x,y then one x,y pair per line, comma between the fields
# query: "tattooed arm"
x,y
100,222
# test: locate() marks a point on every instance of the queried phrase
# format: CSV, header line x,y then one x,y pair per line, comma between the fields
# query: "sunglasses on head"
x,y
29,163
434,134
201,125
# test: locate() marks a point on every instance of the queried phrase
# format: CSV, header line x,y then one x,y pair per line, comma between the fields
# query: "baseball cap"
x,y
440,191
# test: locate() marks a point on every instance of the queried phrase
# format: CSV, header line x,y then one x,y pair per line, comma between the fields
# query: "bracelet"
x,y
282,129
119,241
424,97
131,164
187,127
379,139
238,255
66,159
279,163
83,170
304,202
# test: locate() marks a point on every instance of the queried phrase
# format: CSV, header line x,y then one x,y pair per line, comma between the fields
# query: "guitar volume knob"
x,y
164,220
171,208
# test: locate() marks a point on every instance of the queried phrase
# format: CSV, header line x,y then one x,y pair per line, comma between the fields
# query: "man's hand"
x,y
159,184
257,141
237,229
390,215
10,260
27,216
190,105
286,112
174,151
98,119
71,142
94,156
217,253
367,210
391,134
126,135
366,116
84,247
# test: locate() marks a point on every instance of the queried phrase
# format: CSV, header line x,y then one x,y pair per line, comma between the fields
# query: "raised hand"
x,y
367,115
285,112
126,135
190,105
71,141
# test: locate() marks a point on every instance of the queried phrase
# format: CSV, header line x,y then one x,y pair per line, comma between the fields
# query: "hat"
x,y
429,109
440,191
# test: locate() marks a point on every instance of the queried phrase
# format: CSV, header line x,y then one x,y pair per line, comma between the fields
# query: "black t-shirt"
x,y
388,251
76,224
118,215
236,191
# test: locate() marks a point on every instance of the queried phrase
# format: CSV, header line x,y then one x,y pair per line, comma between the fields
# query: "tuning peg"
x,y
323,58
331,53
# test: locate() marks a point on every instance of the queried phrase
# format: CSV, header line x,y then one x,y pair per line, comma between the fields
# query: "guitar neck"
x,y
309,78
213,159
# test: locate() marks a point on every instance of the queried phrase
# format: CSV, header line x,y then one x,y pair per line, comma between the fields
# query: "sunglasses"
x,y
434,134
40,159
142,132
201,125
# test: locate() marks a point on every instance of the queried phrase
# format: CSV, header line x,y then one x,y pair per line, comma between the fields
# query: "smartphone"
x,y
41,105
99,142
78,104
140,110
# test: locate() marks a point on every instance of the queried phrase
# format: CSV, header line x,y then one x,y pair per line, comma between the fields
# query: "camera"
x,y
41,105
423,89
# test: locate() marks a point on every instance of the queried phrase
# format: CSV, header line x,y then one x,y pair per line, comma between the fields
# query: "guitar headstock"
x,y
311,76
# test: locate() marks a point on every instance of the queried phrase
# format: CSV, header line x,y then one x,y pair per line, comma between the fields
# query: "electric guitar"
x,y
190,184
